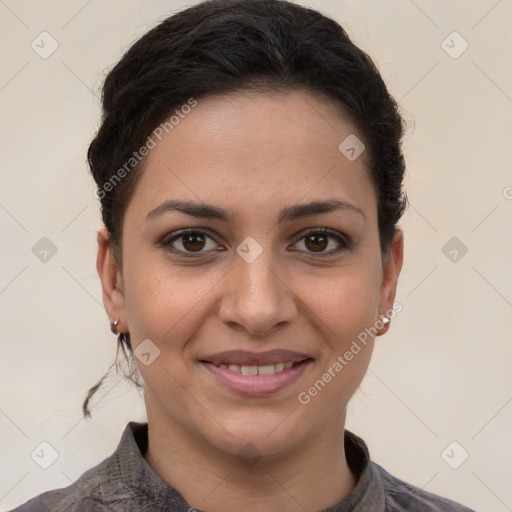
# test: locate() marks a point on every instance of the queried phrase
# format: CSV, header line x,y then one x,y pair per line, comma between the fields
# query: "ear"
x,y
391,267
111,281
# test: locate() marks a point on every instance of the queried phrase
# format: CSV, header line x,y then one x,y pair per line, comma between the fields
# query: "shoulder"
x,y
84,495
401,496
106,486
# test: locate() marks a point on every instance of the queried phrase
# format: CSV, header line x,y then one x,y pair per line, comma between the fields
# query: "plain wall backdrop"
x,y
439,386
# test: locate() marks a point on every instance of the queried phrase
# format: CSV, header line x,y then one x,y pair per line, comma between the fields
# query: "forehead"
x,y
259,150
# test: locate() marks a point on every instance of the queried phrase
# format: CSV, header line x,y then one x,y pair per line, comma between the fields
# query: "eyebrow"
x,y
209,211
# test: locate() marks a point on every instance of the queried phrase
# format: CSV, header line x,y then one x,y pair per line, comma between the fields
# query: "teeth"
x,y
268,369
249,370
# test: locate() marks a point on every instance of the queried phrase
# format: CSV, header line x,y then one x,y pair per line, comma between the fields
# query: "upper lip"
x,y
245,358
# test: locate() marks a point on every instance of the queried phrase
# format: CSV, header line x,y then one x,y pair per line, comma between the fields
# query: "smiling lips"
x,y
257,373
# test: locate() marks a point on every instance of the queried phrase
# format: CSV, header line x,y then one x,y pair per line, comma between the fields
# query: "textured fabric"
x,y
124,482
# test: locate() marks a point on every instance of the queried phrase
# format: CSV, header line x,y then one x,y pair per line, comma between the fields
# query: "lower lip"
x,y
257,384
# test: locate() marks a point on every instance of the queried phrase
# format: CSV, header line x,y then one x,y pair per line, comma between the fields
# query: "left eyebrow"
x,y
209,211
316,208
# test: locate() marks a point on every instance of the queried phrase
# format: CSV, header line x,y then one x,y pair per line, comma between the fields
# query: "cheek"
x,y
344,304
342,311
166,309
164,305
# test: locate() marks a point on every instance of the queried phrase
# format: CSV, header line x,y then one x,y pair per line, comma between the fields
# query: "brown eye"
x,y
193,242
322,242
316,242
189,243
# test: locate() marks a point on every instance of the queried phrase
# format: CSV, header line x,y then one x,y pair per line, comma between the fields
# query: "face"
x,y
251,262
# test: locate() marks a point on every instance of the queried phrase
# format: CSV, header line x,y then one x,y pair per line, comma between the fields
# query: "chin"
x,y
258,434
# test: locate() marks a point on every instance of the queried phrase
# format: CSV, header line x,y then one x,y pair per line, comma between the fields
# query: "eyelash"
x,y
166,241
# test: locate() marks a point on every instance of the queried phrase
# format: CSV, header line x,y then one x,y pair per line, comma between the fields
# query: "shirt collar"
x,y
128,475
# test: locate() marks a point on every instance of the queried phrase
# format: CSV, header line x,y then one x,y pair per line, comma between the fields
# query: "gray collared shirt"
x,y
124,482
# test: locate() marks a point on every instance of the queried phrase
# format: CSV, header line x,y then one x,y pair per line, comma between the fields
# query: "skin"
x,y
253,155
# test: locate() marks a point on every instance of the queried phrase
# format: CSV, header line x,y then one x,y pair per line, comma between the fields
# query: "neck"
x,y
310,477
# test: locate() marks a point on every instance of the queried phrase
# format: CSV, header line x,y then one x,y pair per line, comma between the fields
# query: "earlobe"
x,y
111,280
391,267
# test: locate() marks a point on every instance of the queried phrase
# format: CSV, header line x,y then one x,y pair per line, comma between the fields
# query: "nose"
x,y
256,298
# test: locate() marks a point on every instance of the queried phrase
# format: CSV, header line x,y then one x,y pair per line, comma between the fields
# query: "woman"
x,y
250,176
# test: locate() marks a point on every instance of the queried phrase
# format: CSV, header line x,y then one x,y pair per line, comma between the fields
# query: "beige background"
x,y
441,374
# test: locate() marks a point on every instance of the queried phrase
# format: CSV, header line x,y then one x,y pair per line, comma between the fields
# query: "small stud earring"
x,y
385,320
113,326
